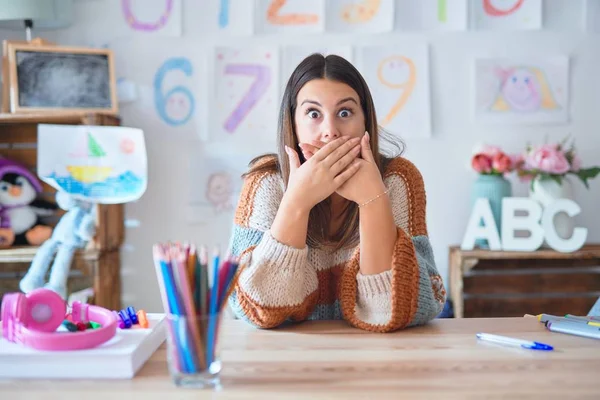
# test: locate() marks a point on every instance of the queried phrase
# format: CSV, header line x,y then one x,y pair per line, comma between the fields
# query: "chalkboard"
x,y
55,78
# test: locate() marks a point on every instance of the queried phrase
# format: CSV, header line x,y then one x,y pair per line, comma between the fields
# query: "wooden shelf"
x,y
591,250
485,283
49,118
26,254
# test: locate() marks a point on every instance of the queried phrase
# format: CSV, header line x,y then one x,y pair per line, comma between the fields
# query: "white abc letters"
x,y
529,222
579,236
488,230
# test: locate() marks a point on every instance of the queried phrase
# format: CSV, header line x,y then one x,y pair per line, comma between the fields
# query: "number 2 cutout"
x,y
492,10
275,18
262,76
145,26
361,12
407,86
167,104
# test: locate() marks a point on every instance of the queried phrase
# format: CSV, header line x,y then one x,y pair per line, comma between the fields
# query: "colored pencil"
x,y
190,288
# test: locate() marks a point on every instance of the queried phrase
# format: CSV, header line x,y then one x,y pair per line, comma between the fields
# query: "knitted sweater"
x,y
279,283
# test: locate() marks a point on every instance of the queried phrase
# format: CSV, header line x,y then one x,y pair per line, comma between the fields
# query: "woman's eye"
x,y
313,114
345,113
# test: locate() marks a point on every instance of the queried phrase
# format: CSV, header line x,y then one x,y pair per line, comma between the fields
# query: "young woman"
x,y
329,228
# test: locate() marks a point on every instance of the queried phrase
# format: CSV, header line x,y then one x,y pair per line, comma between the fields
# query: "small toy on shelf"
x,y
21,211
74,230
128,318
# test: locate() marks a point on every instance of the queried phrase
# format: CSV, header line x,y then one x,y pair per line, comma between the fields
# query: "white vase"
x,y
545,192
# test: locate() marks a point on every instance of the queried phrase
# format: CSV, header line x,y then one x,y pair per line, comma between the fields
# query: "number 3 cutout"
x,y
262,75
143,26
362,12
275,18
490,9
161,100
407,86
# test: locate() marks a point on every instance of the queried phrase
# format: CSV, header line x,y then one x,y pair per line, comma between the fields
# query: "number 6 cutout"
x,y
407,86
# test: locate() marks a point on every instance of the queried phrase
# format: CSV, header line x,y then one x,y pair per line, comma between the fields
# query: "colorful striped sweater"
x,y
279,283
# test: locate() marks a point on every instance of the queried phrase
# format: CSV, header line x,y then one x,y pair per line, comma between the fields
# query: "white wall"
x,y
443,159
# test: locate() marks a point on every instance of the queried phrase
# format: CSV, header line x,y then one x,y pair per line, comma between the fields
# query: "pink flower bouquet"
x,y
491,160
553,161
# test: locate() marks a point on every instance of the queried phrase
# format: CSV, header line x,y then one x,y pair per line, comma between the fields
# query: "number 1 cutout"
x,y
442,10
362,12
143,26
224,14
262,75
491,9
275,18
407,86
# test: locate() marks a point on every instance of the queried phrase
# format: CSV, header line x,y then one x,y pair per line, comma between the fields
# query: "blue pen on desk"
x,y
526,344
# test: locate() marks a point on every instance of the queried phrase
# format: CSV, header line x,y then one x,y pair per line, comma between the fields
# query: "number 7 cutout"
x,y
274,17
262,75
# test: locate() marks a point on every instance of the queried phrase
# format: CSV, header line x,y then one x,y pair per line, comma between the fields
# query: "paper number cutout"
x,y
224,14
262,75
161,101
442,10
275,18
143,26
490,9
407,86
362,12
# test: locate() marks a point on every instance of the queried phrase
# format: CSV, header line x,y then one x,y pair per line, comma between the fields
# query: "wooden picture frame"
x,y
94,92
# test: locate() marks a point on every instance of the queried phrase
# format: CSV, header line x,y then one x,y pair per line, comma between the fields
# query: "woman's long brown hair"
x,y
336,68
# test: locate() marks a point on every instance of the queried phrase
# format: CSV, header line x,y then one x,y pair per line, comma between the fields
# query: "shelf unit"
x,y
98,265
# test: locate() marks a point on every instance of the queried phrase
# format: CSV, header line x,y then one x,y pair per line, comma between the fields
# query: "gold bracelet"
x,y
374,198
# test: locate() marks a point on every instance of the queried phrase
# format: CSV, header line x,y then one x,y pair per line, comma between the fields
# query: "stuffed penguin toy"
x,y
20,210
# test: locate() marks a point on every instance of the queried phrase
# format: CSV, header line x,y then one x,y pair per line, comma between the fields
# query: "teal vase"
x,y
493,188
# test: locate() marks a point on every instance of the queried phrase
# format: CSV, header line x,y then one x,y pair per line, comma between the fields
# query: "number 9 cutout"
x,y
399,74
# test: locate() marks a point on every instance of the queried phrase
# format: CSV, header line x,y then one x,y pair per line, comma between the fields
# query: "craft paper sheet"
x,y
507,15
532,90
290,16
398,77
217,182
102,164
360,16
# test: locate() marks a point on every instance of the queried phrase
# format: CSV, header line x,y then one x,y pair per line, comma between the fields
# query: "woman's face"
x,y
327,110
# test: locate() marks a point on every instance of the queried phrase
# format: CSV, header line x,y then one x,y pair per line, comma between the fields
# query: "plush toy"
x,y
74,230
20,209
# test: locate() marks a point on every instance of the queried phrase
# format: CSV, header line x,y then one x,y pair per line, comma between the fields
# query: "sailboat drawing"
x,y
90,151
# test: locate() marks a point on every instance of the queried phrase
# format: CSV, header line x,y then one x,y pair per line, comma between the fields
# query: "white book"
x,y
119,358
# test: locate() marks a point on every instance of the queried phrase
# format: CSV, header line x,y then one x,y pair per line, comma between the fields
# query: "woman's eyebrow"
x,y
347,99
312,102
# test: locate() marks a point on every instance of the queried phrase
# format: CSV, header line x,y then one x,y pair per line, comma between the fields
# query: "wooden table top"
x,y
319,360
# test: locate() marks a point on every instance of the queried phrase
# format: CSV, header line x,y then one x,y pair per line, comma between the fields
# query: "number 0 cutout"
x,y
492,10
274,17
144,26
406,86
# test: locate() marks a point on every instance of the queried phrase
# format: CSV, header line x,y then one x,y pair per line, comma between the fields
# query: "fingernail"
x,y
367,134
287,149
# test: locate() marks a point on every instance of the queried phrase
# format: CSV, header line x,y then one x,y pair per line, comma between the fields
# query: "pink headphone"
x,y
32,319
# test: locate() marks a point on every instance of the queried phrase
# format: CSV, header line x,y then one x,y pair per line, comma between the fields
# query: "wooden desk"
x,y
485,283
332,360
